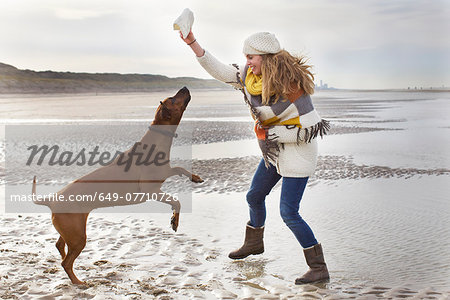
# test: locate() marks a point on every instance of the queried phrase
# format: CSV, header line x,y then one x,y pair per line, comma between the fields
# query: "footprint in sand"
x,y
190,260
189,281
180,269
100,262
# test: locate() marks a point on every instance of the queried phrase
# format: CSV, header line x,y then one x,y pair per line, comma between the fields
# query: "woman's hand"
x,y
189,39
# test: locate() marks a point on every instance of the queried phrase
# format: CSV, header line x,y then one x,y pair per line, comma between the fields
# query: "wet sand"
x,y
138,256
381,224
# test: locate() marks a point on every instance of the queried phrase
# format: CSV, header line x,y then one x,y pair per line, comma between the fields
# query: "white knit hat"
x,y
261,43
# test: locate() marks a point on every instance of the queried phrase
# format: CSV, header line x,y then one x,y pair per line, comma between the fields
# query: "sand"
x,y
379,208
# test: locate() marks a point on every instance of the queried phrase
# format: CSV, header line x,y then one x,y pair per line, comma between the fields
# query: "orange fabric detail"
x,y
260,131
294,96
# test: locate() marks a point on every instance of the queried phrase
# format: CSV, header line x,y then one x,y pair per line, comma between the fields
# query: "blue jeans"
x,y
292,189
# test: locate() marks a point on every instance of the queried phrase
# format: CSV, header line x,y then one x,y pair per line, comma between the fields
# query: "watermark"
x,y
82,168
101,197
95,157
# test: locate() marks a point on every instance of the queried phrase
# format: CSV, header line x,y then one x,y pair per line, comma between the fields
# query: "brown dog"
x,y
126,180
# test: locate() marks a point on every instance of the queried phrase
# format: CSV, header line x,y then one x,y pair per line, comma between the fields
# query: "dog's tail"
x,y
38,200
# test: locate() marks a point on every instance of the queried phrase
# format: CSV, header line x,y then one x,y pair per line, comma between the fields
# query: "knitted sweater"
x,y
295,159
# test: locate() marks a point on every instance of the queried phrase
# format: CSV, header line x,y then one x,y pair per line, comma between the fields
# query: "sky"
x,y
358,44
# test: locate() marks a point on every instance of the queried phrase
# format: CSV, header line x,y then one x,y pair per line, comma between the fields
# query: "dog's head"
x,y
171,109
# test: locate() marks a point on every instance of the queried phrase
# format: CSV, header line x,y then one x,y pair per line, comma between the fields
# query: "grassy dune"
x,y
13,80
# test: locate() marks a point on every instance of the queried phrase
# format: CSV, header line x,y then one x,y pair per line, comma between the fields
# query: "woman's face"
x,y
254,62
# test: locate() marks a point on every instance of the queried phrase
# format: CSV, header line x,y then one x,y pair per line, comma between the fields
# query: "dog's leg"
x,y
176,207
72,228
60,245
164,198
181,171
75,248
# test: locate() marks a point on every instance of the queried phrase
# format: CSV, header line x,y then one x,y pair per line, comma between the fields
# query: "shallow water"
x,y
383,236
386,232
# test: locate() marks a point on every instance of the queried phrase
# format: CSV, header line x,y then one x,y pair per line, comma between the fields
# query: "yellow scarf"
x,y
253,83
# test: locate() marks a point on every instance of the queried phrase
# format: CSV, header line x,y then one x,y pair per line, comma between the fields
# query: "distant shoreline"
x,y
106,93
137,92
439,90
14,81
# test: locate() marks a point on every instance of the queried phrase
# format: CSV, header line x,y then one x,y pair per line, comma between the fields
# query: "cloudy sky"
x,y
351,43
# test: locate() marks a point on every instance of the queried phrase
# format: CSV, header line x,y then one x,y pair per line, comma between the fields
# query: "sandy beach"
x,y
378,202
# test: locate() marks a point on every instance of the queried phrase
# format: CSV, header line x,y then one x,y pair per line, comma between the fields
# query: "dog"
x,y
121,179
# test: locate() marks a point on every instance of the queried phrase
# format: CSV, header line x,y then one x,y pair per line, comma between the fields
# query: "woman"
x,y
277,87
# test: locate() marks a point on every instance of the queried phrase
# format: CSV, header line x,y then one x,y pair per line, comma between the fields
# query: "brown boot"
x,y
317,267
253,243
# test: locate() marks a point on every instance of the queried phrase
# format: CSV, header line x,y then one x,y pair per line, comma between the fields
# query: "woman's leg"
x,y
291,194
263,181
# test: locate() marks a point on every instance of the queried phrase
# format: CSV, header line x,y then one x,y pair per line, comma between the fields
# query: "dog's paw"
x,y
174,221
196,178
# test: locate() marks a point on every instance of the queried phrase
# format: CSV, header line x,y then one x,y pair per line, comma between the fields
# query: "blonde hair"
x,y
283,74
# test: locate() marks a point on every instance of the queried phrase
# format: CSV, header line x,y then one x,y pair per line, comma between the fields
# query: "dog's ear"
x,y
165,111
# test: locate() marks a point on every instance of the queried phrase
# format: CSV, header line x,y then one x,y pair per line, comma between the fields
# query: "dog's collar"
x,y
162,131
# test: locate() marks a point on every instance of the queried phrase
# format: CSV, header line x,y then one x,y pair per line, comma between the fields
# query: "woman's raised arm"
x,y
191,41
215,68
